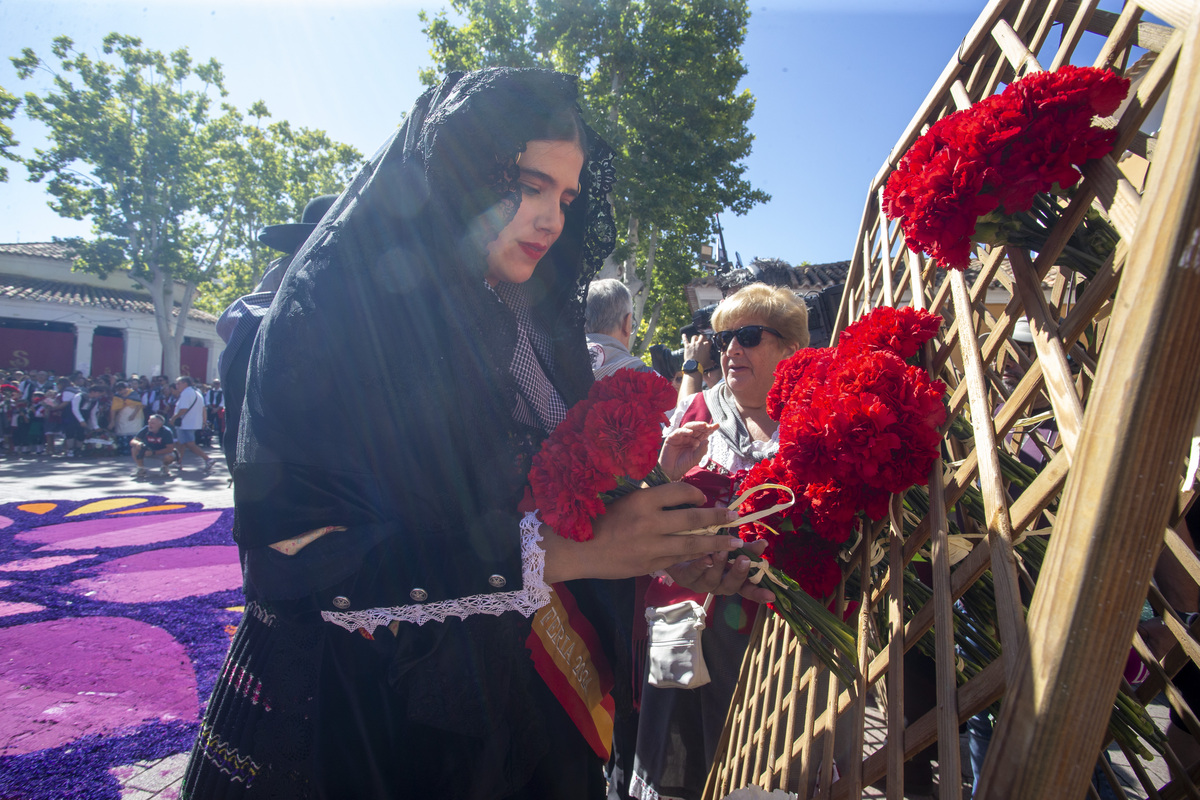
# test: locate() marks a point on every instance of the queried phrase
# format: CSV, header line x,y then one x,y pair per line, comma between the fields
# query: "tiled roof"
x,y
37,290
804,279
54,250
814,277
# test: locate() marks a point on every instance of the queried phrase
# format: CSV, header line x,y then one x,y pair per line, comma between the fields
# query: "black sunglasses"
x,y
747,336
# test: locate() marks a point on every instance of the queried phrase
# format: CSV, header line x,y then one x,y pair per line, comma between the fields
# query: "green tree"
x,y
270,171
176,183
660,78
133,144
8,107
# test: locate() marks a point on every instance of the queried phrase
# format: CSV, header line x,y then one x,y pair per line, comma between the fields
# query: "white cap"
x,y
1021,331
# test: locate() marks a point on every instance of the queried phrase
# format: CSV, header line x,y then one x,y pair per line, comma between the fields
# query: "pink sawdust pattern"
x,y
165,574
89,675
118,531
37,564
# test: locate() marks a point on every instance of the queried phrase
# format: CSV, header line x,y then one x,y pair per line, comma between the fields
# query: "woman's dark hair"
x,y
564,125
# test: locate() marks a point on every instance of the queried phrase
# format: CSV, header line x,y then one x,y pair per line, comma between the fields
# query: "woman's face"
x,y
548,183
750,371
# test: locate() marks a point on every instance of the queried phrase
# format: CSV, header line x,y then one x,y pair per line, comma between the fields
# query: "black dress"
x,y
379,400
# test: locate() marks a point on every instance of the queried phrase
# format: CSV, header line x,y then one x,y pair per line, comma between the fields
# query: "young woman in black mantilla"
x,y
425,339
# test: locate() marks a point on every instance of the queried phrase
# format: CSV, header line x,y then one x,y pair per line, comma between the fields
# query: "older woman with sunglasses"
x,y
723,429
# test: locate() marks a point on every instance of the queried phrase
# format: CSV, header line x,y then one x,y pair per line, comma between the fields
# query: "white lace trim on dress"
x,y
721,453
533,594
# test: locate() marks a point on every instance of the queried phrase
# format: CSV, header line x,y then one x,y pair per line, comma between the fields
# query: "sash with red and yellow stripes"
x,y
566,653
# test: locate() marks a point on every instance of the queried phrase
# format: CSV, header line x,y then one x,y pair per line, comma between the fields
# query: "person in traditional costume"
x,y
425,339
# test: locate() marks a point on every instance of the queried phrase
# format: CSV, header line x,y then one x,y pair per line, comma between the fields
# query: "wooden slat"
x,y
895,674
943,600
1014,49
802,681
914,276
1120,32
1073,34
1068,411
1121,488
1043,29
1183,553
1115,196
810,718
1176,13
858,717
831,709
1011,619
885,258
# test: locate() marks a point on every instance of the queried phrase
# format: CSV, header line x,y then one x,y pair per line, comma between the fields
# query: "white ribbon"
x,y
758,568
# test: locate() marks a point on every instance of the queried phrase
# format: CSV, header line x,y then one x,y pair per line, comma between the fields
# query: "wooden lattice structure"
x,y
1117,355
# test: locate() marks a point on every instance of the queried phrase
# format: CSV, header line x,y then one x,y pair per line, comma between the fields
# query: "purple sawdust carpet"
x,y
115,616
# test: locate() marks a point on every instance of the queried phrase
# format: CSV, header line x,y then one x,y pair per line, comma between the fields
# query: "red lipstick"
x,y
533,250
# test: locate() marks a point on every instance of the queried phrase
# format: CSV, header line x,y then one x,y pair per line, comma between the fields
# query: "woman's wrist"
x,y
563,557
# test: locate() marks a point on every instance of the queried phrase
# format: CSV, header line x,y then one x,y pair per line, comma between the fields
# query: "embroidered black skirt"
x,y
304,709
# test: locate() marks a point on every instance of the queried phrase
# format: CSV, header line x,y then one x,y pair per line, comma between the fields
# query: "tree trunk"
x,y
651,326
162,293
640,287
185,305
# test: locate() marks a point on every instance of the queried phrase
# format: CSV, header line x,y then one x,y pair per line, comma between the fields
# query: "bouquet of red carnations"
x,y
857,423
976,168
606,447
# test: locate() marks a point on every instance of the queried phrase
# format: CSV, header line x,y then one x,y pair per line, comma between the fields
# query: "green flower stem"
x,y
829,638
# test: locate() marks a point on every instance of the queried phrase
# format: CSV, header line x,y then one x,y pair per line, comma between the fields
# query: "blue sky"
x,y
835,84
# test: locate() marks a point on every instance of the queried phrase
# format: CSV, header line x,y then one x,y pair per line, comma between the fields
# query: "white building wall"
x,y
143,352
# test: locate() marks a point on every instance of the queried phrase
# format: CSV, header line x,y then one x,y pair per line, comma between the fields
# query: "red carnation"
x,y
901,330
834,506
805,369
628,385
623,438
997,155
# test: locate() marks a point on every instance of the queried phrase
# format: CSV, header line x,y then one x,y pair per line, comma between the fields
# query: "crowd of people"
x,y
74,416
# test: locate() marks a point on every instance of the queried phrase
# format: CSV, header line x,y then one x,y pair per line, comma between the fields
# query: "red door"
x,y
27,350
193,361
108,354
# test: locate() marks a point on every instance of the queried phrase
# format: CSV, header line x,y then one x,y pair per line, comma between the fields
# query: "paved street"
x,y
28,479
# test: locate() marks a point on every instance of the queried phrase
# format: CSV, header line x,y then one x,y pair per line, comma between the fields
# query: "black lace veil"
x,y
384,356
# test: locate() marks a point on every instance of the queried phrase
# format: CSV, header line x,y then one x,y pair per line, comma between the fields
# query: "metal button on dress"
x,y
341,602
497,581
419,595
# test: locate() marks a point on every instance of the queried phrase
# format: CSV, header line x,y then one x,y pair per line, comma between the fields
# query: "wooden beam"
x,y
1122,487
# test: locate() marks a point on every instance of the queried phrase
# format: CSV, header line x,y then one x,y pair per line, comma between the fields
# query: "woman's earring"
x,y
518,159
579,188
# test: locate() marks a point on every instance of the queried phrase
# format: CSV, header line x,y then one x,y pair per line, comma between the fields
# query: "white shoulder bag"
x,y
675,658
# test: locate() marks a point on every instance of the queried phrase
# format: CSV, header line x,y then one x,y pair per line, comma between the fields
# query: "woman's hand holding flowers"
x,y
639,534
716,574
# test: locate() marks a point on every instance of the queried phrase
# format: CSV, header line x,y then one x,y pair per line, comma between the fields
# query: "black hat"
x,y
290,235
